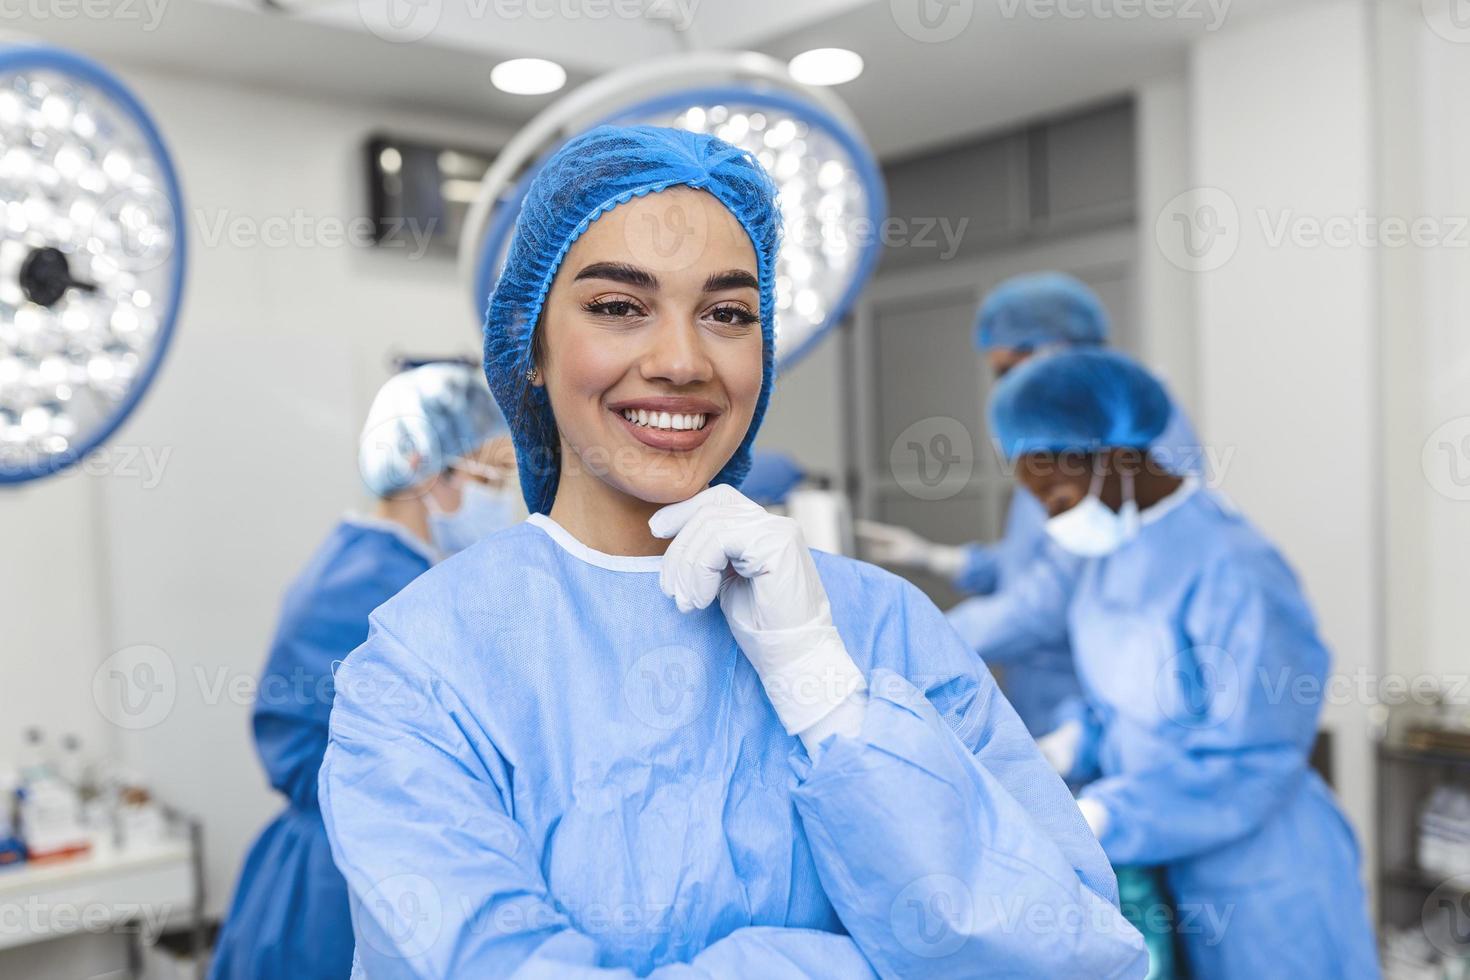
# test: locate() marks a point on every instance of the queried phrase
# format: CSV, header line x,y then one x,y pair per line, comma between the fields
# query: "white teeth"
x,y
665,420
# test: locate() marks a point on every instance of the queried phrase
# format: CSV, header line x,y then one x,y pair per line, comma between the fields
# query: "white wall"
x,y
1425,141
1167,338
1282,124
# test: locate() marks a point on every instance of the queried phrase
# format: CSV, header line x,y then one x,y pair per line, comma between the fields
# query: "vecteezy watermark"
x,y
136,687
147,14
1445,459
1198,230
932,21
1211,13
1195,688
1446,916
35,918
1206,686
933,916
298,229
404,915
667,687
1450,19
1201,229
1363,229
139,686
933,459
407,21
114,461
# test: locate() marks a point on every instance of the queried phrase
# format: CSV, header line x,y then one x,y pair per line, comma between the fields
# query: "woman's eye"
x,y
613,308
737,315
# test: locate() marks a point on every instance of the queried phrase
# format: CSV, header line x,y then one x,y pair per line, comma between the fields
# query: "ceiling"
x,y
966,67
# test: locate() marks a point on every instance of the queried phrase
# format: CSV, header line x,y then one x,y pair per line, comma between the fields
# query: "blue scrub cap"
x,y
1031,311
590,175
772,477
1083,400
421,421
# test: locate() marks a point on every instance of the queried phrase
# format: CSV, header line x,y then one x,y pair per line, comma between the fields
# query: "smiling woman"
x,y
558,754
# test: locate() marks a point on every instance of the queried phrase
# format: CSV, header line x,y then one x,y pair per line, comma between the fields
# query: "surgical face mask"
x,y
481,511
1092,529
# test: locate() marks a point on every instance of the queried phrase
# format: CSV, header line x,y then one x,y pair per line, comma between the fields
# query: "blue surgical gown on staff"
x,y
289,917
1203,674
540,768
1023,583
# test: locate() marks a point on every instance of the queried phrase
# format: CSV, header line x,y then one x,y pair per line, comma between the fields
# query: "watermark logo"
x,y
400,21
136,687
136,225
667,234
409,913
932,21
1446,916
1210,13
1450,19
1445,459
932,916
147,14
1199,687
1199,230
666,688
933,459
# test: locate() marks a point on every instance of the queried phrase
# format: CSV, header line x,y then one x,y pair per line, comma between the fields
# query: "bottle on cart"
x,y
50,811
12,851
35,757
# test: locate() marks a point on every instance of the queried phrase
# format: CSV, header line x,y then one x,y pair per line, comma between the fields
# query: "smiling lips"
x,y
668,423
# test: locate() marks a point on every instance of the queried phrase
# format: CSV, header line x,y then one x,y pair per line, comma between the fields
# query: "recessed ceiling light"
x,y
528,76
826,66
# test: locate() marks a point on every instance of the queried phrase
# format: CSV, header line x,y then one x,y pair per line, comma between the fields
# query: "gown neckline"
x,y
579,551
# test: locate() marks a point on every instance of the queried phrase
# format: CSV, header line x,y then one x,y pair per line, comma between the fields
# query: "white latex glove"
x,y
1096,815
889,544
1060,746
761,570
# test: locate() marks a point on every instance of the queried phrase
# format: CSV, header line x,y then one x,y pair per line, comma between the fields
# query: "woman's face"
x,y
652,342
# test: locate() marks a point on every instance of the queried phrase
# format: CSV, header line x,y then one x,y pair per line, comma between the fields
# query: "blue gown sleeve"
x,y
981,572
945,842
444,883
1028,611
1085,767
1221,768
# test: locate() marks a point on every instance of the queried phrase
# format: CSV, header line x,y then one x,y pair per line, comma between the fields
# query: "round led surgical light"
x,y
91,258
831,193
528,76
826,66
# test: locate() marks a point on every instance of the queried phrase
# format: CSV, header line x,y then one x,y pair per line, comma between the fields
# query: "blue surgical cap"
x,y
1031,311
772,477
590,175
421,421
1082,400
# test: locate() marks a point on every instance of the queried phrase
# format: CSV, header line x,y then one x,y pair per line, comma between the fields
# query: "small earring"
x,y
533,374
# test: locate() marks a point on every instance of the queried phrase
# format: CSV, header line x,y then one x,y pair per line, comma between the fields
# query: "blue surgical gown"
x,y
540,768
1203,671
289,917
1022,585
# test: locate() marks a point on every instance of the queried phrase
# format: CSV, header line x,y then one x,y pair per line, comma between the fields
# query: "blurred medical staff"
x,y
1025,583
1187,625
437,454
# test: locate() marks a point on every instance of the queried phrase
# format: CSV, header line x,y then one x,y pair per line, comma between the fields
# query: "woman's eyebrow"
x,y
730,279
628,275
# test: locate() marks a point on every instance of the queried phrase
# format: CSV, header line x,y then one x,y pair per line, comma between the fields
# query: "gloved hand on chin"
x,y
760,568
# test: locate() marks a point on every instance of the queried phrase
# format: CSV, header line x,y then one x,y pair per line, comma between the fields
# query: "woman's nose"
x,y
676,354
